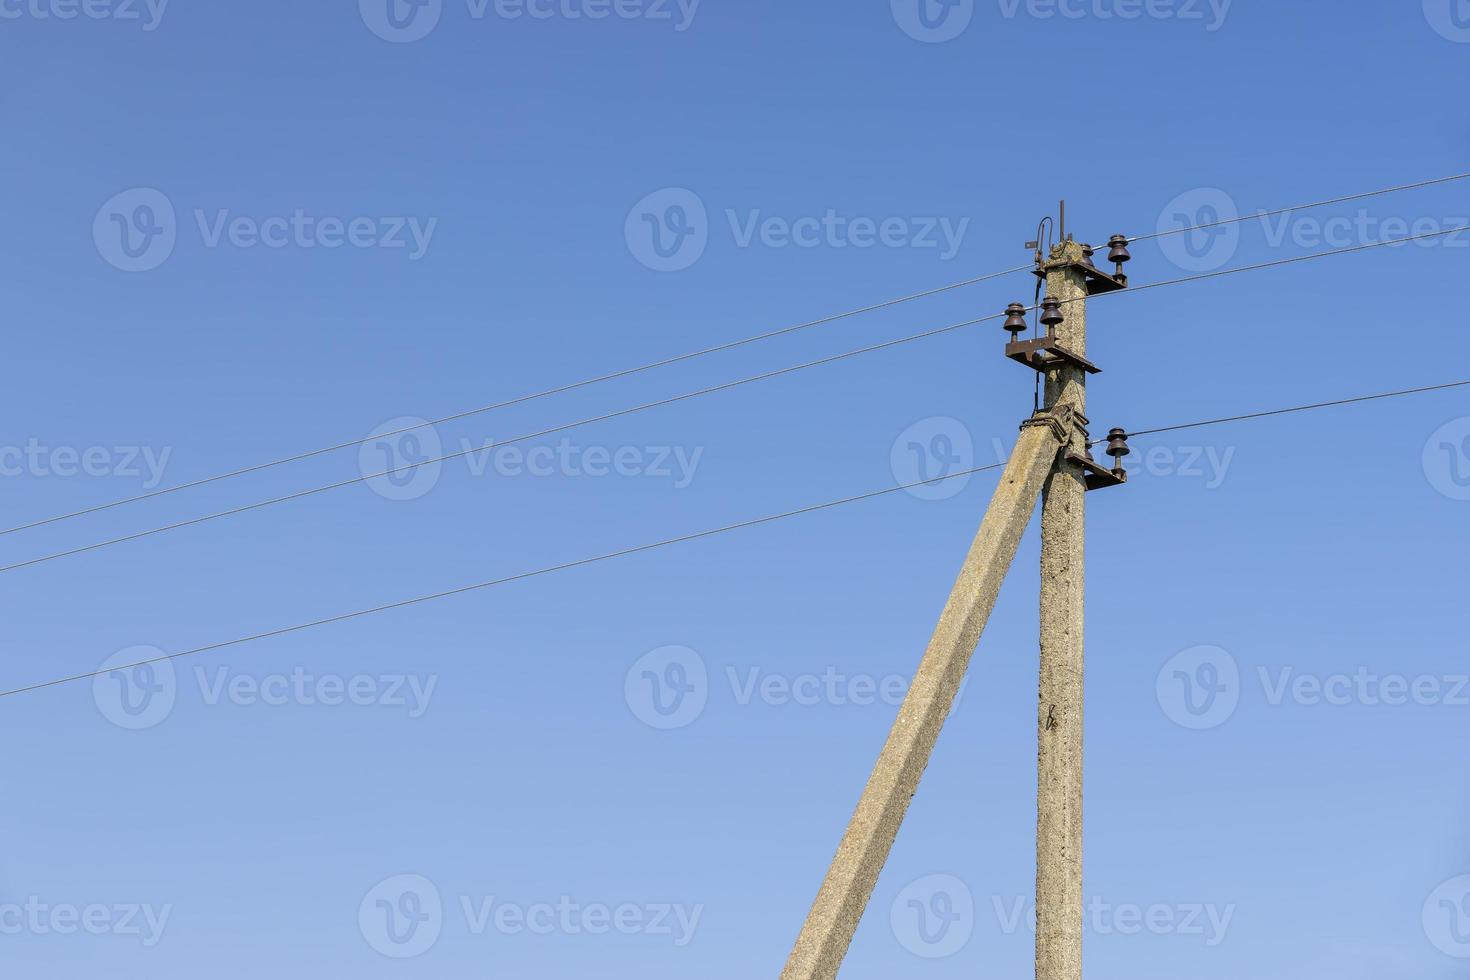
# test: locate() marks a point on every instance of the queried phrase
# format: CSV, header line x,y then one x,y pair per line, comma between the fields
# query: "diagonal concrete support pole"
x,y
1059,914
849,884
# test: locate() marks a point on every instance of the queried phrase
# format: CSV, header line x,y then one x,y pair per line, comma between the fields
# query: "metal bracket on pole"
x,y
1095,280
1045,354
1099,477
1060,419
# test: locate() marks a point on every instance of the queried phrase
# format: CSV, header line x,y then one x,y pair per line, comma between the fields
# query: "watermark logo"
x,y
566,916
1207,465
832,229
402,917
1202,229
676,465
933,21
405,916
148,12
36,459
1208,245
668,230
144,696
934,917
1449,18
679,13
672,687
401,21
1199,688
400,458
1447,918
934,449
143,922
1211,13
1208,921
1202,688
406,21
1364,687
136,230
667,688
132,692
301,230
1447,459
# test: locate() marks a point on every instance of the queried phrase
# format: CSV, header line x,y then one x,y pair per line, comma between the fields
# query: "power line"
x,y
1292,260
630,372
668,542
1294,409
484,449
520,400
501,581
694,394
1299,207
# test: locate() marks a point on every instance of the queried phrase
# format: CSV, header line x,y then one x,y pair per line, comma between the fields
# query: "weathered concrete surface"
x,y
849,884
1059,913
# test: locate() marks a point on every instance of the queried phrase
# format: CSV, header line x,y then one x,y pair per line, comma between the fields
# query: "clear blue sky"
x,y
338,215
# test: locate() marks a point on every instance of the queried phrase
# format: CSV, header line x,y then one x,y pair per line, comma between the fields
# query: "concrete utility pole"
x,y
844,895
1051,459
1059,919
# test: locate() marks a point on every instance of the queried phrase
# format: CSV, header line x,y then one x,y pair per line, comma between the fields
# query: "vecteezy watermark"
x,y
401,21
671,687
1447,918
138,688
402,459
1447,459
401,917
124,462
404,916
834,230
406,21
1449,18
565,916
1207,465
1206,920
34,917
1202,687
937,21
1199,688
135,688
137,230
937,916
933,917
935,450
669,230
667,688
1202,230
148,13
1211,14
933,21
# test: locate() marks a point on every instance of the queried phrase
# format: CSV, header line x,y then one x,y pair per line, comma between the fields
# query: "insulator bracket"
x,y
1097,281
1046,354
1098,477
